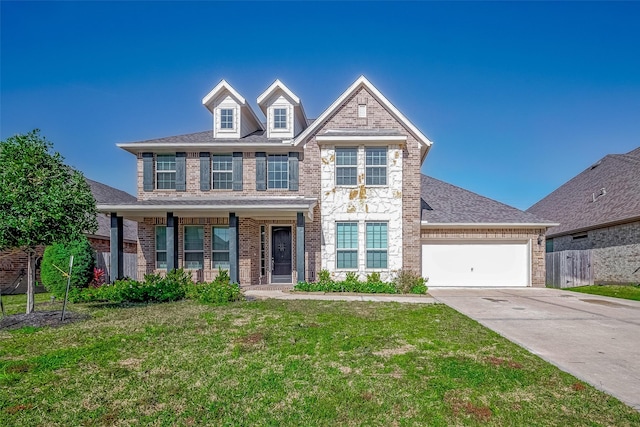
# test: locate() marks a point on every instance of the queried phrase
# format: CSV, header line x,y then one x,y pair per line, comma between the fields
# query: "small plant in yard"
x,y
409,282
98,278
55,266
219,291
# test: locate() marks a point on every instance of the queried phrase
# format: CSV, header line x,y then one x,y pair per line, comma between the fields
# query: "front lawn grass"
x,y
299,363
631,292
17,304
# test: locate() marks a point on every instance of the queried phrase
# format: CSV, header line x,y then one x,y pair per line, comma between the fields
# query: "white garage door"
x,y
463,263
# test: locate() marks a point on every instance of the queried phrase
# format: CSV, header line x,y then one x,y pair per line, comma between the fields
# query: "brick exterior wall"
x,y
615,252
538,276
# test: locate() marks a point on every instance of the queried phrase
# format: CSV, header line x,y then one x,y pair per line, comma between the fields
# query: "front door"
x,y
281,254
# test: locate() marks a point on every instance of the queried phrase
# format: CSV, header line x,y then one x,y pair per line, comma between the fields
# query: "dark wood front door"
x,y
281,254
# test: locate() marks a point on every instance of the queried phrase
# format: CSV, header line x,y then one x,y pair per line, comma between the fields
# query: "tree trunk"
x,y
31,276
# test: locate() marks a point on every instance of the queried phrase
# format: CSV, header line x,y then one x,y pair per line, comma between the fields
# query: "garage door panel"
x,y
476,264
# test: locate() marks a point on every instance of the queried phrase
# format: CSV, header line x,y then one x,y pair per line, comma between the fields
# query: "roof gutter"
x,y
137,147
470,225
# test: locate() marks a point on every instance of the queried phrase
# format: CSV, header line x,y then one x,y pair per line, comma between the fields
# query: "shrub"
x,y
57,255
219,291
408,282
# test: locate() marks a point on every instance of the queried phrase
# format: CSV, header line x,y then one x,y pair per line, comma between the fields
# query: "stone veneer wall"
x,y
538,273
361,204
408,215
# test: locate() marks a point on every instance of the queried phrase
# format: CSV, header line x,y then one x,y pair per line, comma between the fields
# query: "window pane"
x,y
166,162
226,118
220,260
161,238
220,239
347,259
376,259
193,238
376,235
278,171
376,166
376,156
166,180
193,260
222,180
346,157
280,118
222,162
376,176
346,176
347,235
161,259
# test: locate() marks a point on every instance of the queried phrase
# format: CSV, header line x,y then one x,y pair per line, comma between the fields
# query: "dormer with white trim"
x,y
283,110
233,117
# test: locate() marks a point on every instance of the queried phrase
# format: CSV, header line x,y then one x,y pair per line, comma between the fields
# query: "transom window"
x,y
279,118
346,166
193,246
376,244
226,118
278,171
166,171
347,245
220,247
161,246
376,166
222,167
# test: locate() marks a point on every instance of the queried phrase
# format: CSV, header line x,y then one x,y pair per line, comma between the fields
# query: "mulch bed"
x,y
40,319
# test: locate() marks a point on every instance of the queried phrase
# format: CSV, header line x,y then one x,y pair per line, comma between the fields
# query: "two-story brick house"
x,y
277,201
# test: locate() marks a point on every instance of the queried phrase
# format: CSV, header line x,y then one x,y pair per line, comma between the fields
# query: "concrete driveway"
x,y
596,339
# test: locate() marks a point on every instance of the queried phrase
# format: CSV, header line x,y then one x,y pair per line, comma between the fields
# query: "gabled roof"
x,y
359,83
606,193
447,205
273,88
223,87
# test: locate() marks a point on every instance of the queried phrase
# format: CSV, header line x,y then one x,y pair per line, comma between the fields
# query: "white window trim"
x,y
386,168
156,247
357,248
345,166
234,121
174,171
267,173
366,250
222,171
272,119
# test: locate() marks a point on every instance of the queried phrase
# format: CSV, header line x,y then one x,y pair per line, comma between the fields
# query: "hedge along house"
x,y
275,202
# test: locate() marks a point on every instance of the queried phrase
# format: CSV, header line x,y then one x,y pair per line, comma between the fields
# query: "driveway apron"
x,y
594,338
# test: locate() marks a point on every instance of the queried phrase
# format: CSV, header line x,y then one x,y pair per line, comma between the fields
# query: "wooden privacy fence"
x,y
129,267
568,269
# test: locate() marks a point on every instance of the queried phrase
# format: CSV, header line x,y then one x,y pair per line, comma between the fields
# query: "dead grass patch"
x,y
388,352
17,408
578,386
496,361
463,406
252,339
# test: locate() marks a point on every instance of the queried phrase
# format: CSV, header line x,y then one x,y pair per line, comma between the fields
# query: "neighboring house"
x,y
13,264
599,209
276,202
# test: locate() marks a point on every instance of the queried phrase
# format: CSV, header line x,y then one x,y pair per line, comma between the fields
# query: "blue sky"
x,y
517,97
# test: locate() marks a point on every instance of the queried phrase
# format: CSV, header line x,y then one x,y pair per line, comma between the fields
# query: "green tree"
x,y
42,200
56,258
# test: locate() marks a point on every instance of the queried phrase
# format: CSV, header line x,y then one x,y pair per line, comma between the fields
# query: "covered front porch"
x,y
258,241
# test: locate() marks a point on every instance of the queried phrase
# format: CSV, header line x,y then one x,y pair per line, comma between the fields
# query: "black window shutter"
x,y
147,172
205,171
261,171
181,171
293,172
237,171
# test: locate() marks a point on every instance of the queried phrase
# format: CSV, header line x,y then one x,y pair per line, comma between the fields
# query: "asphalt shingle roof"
x,y
581,203
105,194
448,204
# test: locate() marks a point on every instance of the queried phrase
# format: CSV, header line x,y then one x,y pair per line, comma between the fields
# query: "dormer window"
x,y
280,118
226,118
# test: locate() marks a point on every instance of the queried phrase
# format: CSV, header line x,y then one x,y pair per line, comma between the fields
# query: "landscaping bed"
x,y
277,362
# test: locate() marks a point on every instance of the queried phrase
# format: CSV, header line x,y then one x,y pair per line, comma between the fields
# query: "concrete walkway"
x,y
277,294
596,339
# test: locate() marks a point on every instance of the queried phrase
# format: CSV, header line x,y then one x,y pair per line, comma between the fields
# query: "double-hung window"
x,y
193,246
347,245
377,244
376,166
280,118
278,171
166,171
226,118
222,167
220,247
346,166
161,246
